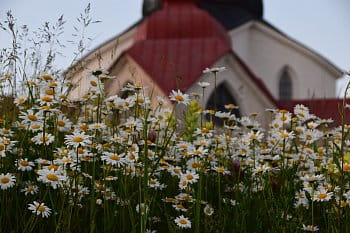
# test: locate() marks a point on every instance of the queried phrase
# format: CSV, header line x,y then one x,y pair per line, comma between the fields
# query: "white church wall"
x,y
247,94
266,52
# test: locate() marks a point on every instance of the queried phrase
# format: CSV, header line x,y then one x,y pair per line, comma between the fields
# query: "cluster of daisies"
x,y
88,148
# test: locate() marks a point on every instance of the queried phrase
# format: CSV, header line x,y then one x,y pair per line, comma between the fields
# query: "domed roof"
x,y
233,13
177,43
230,13
180,19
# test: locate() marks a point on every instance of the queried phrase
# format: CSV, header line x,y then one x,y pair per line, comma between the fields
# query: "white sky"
x,y
323,25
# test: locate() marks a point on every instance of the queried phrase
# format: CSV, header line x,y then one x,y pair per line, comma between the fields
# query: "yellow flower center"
x,y
205,130
2,147
44,139
77,139
41,208
179,98
221,169
53,84
308,137
140,100
195,165
63,96
49,92
152,181
61,123
283,118
183,221
180,206
344,203
4,180
114,157
93,83
46,98
251,137
52,166
24,163
189,177
52,177
47,77
32,117
346,167
322,195
35,126
283,111
5,131
197,152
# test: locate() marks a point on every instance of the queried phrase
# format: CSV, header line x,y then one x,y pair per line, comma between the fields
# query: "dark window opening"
x,y
224,97
285,86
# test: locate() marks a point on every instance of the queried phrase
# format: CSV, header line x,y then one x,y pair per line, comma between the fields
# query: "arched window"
x,y
224,97
285,86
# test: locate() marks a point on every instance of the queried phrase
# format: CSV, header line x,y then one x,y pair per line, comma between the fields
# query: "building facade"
x,y
177,39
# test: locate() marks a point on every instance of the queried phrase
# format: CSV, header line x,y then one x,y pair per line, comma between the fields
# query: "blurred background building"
x,y
177,39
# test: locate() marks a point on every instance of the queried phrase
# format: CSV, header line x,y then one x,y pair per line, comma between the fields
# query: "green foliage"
x,y
192,120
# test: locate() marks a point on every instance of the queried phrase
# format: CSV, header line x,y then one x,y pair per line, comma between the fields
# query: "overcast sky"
x,y
323,25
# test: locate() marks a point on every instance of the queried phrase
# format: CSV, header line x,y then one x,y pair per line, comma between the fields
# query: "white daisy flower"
x,y
322,195
51,176
46,139
46,100
97,126
30,116
179,207
153,183
20,100
30,189
310,228
191,177
114,159
25,165
311,135
179,97
231,106
208,210
183,222
35,127
203,84
214,70
6,132
77,139
7,181
40,209
252,135
63,124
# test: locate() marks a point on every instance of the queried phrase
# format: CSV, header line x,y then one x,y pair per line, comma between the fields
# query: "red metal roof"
x,y
323,108
175,44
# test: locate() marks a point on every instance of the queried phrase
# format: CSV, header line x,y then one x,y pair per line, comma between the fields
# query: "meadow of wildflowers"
x,y
113,164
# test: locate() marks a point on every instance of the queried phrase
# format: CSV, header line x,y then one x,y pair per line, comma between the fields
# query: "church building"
x,y
173,43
